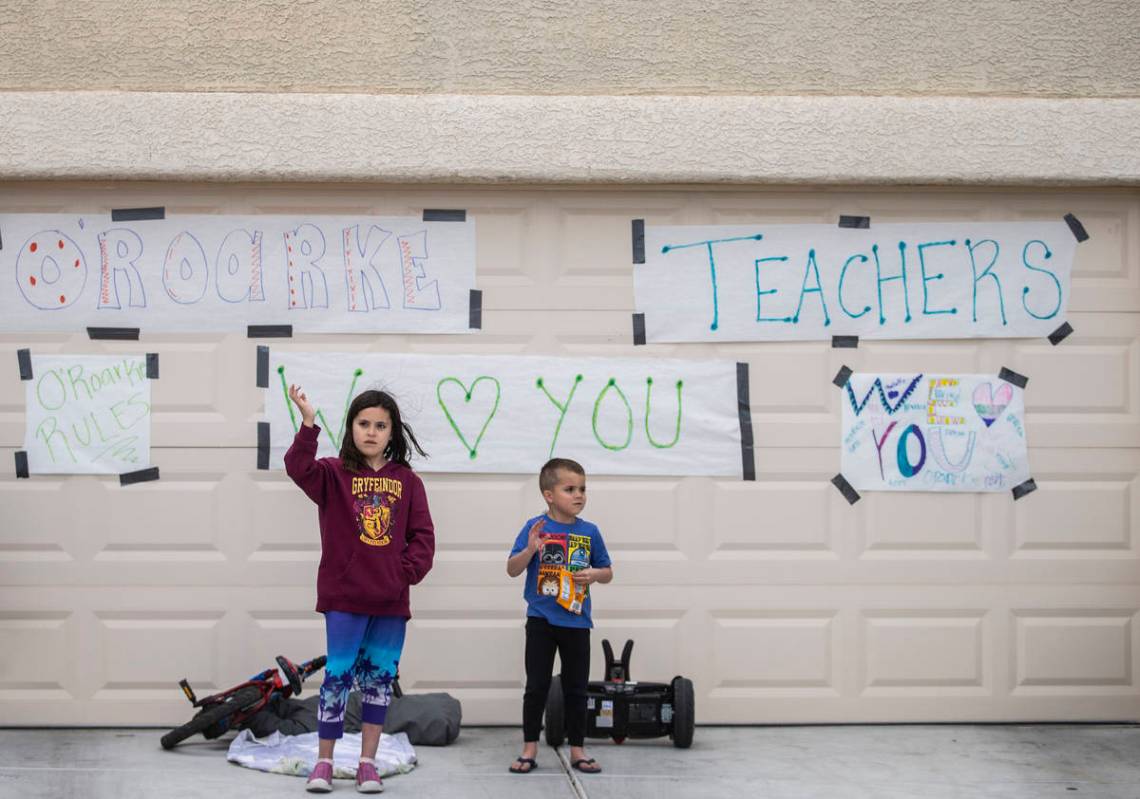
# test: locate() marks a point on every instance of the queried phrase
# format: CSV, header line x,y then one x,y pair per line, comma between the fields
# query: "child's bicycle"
x,y
230,709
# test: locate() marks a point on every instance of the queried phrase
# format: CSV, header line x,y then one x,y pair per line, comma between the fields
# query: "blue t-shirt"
x,y
566,546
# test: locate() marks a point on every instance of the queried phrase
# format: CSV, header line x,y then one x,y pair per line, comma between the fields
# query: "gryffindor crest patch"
x,y
374,519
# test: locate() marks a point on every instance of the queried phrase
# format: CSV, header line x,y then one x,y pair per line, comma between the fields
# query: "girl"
x,y
376,540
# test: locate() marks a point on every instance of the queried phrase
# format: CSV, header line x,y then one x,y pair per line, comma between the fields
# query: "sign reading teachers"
x,y
222,273
510,414
933,432
87,414
781,282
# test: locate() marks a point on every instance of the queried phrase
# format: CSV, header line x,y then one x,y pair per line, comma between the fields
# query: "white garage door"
x,y
781,601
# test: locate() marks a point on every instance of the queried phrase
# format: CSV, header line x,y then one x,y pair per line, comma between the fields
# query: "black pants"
x,y
573,645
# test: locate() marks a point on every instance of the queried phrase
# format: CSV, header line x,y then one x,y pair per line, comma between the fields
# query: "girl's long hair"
x,y
398,445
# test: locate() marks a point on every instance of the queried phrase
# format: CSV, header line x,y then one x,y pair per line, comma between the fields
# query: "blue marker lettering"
x,y
905,467
760,293
185,274
988,271
1031,267
812,266
712,265
922,268
842,275
881,280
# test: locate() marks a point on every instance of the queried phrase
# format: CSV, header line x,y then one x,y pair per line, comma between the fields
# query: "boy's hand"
x,y
308,414
535,537
585,576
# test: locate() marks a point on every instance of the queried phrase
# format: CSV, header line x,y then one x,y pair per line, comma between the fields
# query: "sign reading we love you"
x,y
208,273
510,414
933,432
781,282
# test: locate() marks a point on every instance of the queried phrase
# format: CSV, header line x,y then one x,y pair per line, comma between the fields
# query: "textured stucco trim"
x,y
538,139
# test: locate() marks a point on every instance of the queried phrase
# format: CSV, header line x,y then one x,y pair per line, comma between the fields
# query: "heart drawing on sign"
x,y
989,403
472,449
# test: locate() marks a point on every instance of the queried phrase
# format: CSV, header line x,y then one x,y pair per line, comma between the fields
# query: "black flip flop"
x,y
522,761
577,764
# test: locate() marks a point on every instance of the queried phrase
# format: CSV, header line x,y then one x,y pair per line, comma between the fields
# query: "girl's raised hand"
x,y
308,414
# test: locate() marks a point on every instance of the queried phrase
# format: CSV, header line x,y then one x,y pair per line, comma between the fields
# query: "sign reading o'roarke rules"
x,y
788,282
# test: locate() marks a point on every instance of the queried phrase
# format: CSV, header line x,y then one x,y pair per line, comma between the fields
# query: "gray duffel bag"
x,y
428,719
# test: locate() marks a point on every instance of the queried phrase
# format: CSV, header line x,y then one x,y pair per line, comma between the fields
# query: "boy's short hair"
x,y
548,474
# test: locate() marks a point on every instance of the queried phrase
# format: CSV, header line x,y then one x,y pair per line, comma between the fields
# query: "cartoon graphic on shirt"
x,y
548,584
376,497
553,551
579,552
562,553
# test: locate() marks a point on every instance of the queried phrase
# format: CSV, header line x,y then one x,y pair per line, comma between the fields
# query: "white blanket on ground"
x,y
296,754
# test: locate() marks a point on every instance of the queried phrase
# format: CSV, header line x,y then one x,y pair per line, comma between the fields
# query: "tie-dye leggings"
x,y
364,650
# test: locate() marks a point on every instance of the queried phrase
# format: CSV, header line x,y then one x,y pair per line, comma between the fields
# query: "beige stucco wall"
x,y
630,140
1056,48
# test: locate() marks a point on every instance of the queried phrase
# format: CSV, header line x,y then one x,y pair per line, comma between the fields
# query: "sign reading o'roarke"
x,y
329,274
785,282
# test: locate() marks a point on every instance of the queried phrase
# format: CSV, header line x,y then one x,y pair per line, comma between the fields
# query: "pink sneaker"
x,y
320,778
368,779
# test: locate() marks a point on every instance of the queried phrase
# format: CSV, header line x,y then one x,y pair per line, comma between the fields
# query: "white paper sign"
x,y
87,414
510,414
933,432
327,274
781,282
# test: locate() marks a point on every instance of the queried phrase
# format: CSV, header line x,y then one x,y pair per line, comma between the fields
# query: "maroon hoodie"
x,y
376,532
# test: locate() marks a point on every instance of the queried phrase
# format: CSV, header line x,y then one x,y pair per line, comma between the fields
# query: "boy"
x,y
549,545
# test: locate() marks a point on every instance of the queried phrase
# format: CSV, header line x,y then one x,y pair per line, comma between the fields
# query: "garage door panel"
x,y
1076,651
758,653
919,652
445,645
39,654
660,646
297,633
1092,516
770,518
176,642
911,523
41,525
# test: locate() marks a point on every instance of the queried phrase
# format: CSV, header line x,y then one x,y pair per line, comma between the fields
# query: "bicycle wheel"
x,y
211,716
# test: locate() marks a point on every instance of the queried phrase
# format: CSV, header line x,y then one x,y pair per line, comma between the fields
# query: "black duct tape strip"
x,y
1060,334
269,331
1028,487
845,488
743,406
262,366
475,310
842,376
21,463
141,476
1078,229
857,222
152,366
844,342
1010,376
638,329
137,214
113,333
25,359
442,215
638,241
263,445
